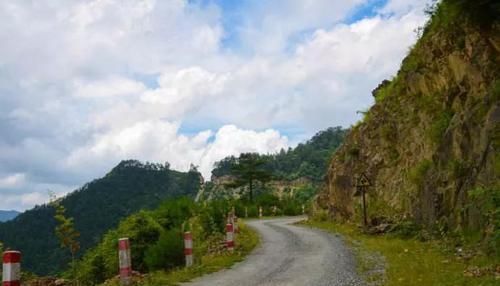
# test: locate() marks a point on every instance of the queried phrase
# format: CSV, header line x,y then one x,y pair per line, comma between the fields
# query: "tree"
x,y
248,168
65,230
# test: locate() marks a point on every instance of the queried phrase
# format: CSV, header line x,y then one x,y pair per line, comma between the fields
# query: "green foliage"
x,y
495,91
142,231
309,160
406,229
410,262
65,229
248,169
488,201
96,207
156,238
167,252
172,213
450,13
458,168
305,193
439,126
387,89
418,173
212,216
66,232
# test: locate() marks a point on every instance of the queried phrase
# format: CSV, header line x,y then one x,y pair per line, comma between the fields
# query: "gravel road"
x,y
289,255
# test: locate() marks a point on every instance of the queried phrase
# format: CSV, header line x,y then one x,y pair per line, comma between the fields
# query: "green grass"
x,y
408,261
245,241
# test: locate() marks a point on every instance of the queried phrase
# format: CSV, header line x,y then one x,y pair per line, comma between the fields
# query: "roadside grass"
x,y
245,241
408,261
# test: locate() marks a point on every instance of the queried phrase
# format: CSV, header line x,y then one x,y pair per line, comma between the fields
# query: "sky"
x,y
86,84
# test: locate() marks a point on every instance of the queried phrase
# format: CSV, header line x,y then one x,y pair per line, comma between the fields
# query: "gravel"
x,y
290,255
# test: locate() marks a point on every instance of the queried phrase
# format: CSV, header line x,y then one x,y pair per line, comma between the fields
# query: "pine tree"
x,y
249,168
65,231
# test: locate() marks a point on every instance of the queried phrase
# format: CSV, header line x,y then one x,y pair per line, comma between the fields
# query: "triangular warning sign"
x,y
363,181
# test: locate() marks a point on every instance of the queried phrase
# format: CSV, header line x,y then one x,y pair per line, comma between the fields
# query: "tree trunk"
x,y
251,190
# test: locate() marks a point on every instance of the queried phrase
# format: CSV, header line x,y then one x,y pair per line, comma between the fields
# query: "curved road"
x,y
289,255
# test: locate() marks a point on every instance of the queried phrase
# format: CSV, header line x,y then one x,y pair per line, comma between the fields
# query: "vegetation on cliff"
x,y
298,171
307,160
431,143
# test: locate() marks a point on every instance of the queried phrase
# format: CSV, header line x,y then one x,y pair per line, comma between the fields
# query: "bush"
x,y
406,229
102,262
167,252
438,128
418,173
488,201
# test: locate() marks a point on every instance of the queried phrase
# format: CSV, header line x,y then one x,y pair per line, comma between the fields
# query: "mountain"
x,y
96,207
7,215
292,169
430,146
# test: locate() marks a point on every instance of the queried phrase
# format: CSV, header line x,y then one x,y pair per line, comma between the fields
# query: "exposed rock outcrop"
x,y
433,134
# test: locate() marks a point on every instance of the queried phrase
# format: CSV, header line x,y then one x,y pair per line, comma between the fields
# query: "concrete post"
x,y
188,248
125,261
11,268
229,237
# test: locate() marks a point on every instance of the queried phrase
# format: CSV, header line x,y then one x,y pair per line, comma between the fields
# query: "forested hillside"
x,y
96,207
307,160
296,171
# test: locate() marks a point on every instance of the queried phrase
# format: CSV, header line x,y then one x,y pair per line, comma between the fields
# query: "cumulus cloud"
x,y
156,139
85,84
13,180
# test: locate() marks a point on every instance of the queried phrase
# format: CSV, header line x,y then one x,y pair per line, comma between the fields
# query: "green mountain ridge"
x,y
96,207
8,215
303,166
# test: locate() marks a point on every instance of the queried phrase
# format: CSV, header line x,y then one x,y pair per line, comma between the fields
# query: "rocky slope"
x,y
431,144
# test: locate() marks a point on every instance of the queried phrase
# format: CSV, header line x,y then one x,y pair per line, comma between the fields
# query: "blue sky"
x,y
85,84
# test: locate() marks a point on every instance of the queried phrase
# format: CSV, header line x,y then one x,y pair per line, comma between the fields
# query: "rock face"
x,y
433,134
217,189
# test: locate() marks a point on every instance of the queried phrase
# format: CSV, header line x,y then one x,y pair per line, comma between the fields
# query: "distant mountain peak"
x,y
6,215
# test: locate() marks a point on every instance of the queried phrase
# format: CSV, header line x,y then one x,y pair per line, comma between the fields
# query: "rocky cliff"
x,y
430,146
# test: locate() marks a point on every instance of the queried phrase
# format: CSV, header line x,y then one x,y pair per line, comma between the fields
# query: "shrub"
x,y
418,173
102,262
438,128
488,201
167,252
406,229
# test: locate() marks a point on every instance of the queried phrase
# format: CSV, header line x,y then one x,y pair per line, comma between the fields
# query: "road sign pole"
x,y
365,221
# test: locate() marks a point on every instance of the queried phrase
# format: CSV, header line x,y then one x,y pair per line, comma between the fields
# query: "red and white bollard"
x,y
229,237
125,261
188,248
11,268
260,212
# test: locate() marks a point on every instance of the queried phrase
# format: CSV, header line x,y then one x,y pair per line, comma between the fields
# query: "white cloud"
x,y
160,141
114,86
13,180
